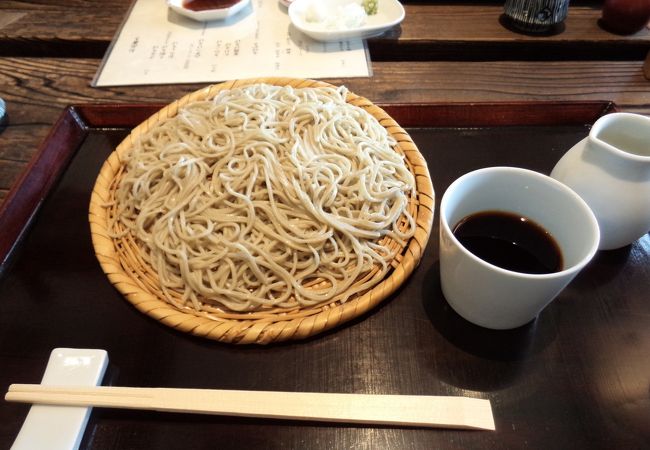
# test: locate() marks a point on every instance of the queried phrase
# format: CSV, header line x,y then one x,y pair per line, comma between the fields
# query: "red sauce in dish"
x,y
202,5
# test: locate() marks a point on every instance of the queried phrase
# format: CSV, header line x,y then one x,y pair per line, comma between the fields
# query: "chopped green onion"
x,y
370,6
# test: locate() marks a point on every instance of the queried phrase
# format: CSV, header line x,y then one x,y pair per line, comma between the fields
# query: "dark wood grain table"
x,y
471,93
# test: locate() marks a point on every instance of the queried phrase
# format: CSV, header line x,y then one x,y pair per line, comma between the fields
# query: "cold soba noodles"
x,y
265,197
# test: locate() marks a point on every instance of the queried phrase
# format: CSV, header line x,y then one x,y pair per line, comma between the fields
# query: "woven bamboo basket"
x,y
138,282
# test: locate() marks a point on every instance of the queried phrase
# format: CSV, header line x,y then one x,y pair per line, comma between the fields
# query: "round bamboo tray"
x,y
137,282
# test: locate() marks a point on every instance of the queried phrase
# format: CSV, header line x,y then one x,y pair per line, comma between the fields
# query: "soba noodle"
x,y
265,197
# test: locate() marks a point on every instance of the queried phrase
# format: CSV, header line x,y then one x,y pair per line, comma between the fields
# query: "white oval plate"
x,y
208,14
389,14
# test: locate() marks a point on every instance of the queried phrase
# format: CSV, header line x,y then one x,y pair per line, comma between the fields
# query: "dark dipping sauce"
x,y
509,241
202,5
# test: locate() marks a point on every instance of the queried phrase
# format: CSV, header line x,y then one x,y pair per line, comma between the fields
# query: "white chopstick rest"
x,y
57,427
404,410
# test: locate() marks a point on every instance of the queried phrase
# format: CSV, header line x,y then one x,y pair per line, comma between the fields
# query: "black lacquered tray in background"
x,y
576,377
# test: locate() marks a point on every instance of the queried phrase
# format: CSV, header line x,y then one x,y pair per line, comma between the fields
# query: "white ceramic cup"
x,y
497,298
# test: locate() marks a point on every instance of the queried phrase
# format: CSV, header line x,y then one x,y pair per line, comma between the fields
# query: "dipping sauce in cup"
x,y
509,241
521,237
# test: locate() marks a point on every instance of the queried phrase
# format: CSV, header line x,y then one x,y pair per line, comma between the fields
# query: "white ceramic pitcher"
x,y
610,170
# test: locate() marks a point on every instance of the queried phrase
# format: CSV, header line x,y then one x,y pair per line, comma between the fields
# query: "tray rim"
x,y
77,120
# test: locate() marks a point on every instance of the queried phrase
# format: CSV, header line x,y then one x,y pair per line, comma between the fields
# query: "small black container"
x,y
535,16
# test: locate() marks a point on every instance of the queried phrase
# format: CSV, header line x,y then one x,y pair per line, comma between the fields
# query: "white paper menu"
x,y
158,46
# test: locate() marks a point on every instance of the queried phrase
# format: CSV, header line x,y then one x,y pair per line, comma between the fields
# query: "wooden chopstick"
x,y
405,410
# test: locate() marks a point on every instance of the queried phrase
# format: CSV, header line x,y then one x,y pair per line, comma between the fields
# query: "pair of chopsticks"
x,y
404,410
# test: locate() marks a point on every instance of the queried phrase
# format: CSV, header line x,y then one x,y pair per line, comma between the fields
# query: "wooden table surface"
x,y
453,51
